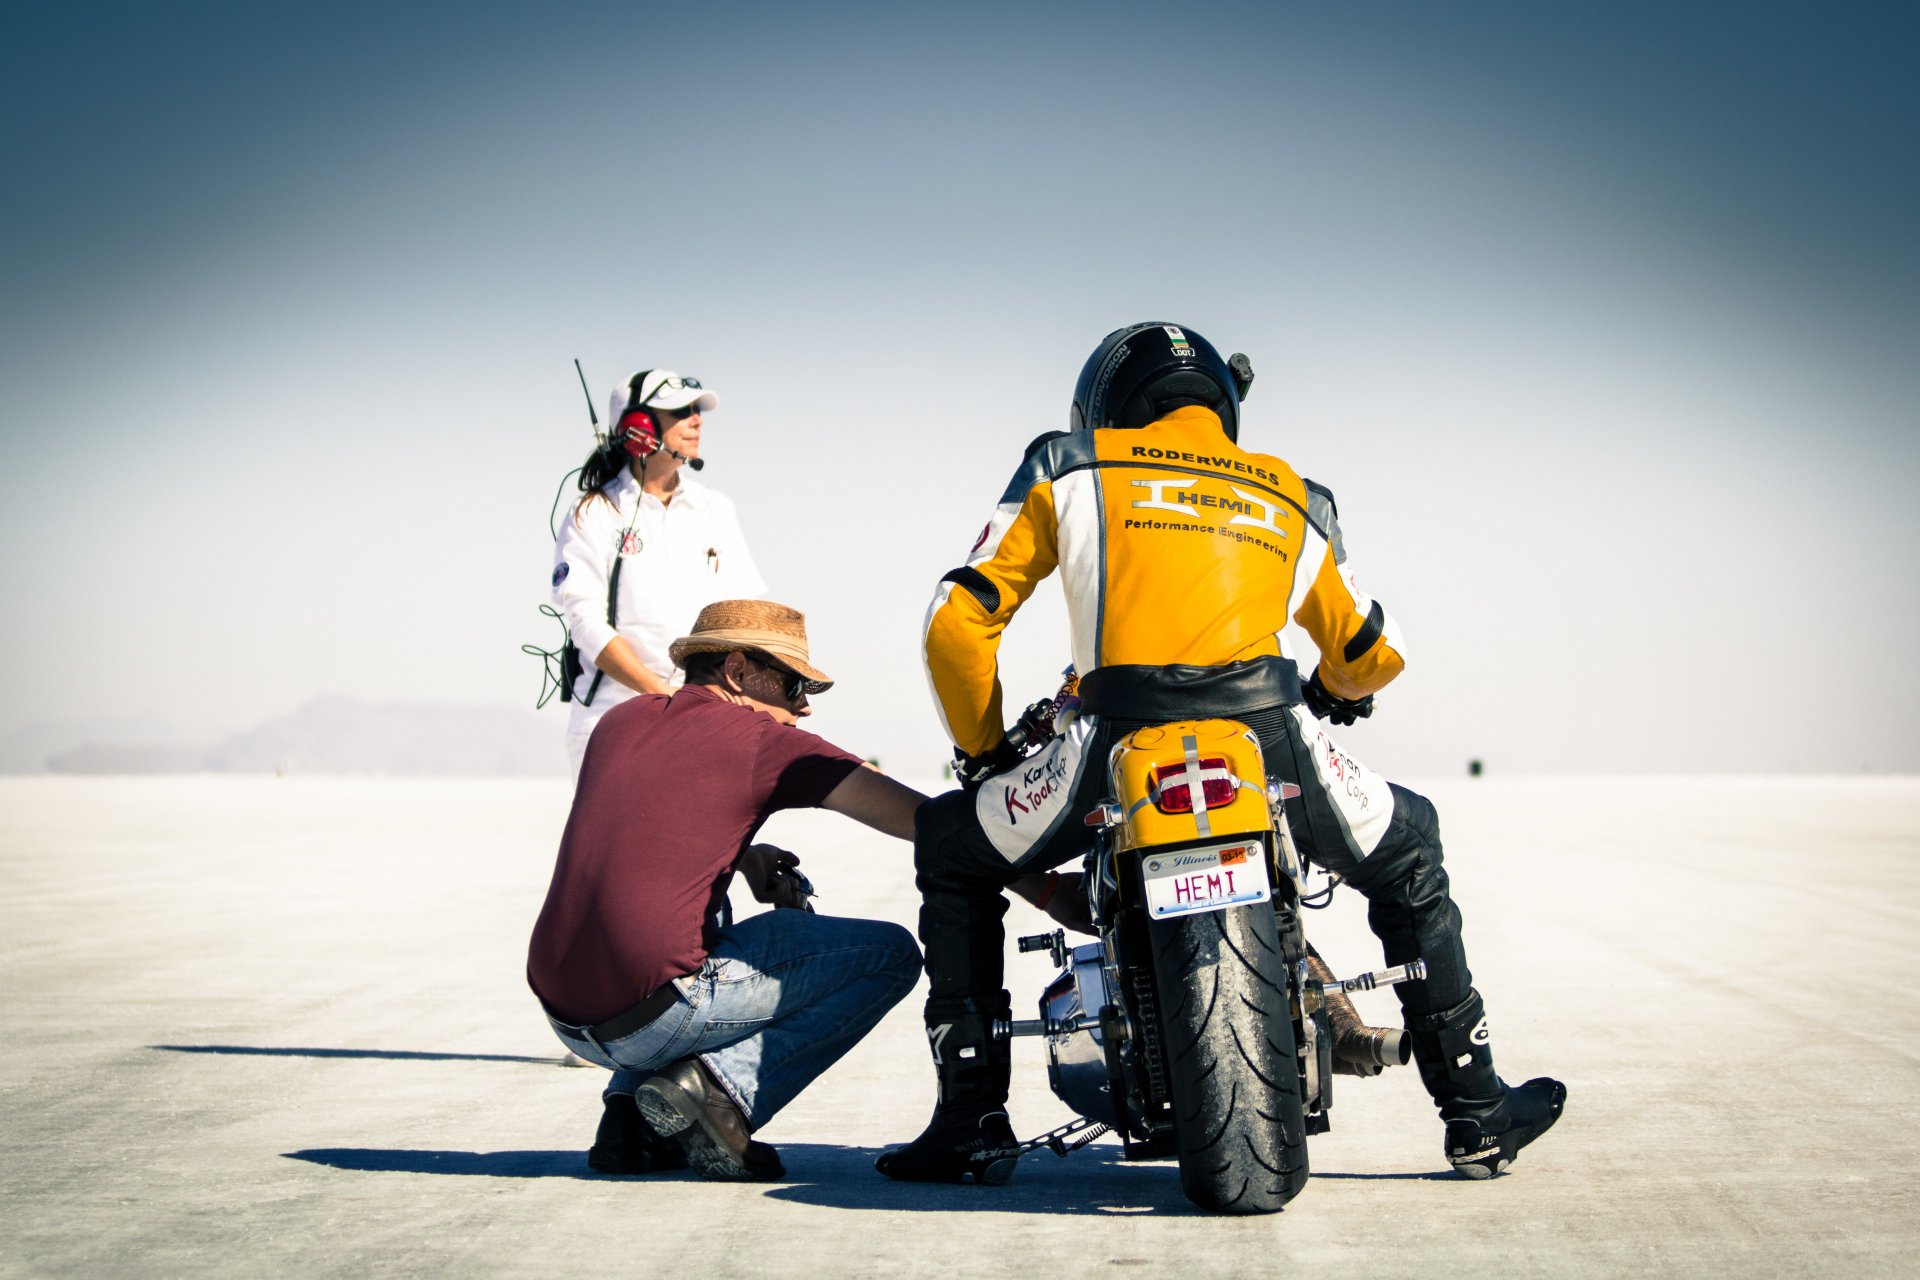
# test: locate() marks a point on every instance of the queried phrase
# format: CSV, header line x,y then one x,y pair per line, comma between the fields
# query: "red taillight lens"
x,y
1172,782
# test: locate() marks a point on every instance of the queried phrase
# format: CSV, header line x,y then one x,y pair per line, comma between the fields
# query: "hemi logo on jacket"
x,y
1247,508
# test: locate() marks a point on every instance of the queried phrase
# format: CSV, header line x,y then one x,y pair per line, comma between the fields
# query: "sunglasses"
x,y
792,686
674,384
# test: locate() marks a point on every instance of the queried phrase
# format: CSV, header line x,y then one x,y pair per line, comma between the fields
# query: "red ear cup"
x,y
638,433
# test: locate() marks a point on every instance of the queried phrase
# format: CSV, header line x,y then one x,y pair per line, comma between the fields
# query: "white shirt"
x,y
675,558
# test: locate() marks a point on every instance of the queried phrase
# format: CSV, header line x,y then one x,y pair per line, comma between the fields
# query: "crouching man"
x,y
710,1028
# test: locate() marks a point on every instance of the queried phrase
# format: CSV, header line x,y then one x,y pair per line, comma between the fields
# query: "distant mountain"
x,y
28,748
107,757
342,735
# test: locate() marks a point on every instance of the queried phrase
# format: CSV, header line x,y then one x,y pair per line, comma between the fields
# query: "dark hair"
x,y
704,668
602,467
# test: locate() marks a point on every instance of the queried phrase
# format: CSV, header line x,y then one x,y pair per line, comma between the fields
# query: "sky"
x,y
1599,320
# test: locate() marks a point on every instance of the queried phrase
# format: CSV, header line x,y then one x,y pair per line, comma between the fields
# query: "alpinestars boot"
x,y
969,1138
1487,1120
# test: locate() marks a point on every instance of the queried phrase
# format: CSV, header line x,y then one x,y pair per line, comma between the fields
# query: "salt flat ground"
x,y
259,1024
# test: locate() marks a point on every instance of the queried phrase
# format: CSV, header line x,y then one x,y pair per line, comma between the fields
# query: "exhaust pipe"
x,y
1358,1049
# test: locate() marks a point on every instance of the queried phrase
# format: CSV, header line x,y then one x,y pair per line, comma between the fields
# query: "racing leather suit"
x,y
1183,557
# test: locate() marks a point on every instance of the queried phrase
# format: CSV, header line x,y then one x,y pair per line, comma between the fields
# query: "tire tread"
x,y
1238,1125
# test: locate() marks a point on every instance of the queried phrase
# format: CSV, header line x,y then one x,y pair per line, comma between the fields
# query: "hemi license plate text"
x,y
1193,881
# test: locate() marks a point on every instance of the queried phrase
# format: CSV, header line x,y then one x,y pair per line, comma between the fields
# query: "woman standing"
x,y
646,548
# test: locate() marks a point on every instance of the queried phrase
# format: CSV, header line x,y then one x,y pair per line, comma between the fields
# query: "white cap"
x,y
663,389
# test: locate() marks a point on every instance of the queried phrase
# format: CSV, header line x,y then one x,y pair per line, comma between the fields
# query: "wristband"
x,y
1046,892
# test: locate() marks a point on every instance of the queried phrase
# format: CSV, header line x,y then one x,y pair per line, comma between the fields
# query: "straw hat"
x,y
775,632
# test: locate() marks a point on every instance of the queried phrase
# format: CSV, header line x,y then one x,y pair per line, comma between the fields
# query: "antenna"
x,y
599,436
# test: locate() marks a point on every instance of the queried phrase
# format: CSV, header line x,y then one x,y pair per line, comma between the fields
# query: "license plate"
x,y
1194,881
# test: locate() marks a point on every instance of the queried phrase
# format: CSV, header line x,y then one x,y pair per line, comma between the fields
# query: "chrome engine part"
x,y
1076,1052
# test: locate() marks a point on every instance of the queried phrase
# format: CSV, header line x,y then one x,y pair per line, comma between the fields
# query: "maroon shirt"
x,y
672,789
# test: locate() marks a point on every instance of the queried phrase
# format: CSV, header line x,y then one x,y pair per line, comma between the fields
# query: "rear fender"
x,y
1138,760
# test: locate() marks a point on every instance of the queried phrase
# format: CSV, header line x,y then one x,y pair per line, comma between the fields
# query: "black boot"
x,y
969,1138
627,1144
1487,1121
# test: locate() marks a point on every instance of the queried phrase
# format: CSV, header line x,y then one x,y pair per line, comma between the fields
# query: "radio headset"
x,y
638,431
630,436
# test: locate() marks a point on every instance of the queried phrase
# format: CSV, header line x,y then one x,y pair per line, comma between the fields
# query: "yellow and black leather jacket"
x,y
1176,547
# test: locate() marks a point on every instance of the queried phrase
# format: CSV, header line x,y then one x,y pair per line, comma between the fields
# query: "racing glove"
x,y
971,771
1328,705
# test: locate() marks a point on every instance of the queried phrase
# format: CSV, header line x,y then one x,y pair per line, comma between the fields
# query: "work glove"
x,y
1327,705
1034,727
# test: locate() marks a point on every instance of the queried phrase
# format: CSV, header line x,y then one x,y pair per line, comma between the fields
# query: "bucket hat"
x,y
774,632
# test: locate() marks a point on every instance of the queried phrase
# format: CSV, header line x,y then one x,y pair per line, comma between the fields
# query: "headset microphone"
x,y
640,431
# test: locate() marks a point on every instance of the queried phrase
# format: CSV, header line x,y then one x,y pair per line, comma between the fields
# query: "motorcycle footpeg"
x,y
1413,972
1055,944
1007,1028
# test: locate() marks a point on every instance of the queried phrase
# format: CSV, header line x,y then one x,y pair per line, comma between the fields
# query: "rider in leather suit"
x,y
1183,557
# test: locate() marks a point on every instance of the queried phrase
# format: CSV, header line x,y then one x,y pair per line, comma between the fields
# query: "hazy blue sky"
x,y
1599,319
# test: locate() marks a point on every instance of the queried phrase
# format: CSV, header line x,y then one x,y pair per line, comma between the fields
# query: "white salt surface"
x,y
255,1024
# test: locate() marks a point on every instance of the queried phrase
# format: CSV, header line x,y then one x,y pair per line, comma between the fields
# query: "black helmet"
x,y
1142,371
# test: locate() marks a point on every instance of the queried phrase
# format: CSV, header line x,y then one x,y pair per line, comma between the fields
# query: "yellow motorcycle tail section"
x,y
1188,780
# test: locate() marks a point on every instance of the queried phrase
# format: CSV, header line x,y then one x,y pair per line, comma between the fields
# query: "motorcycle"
x,y
1200,1025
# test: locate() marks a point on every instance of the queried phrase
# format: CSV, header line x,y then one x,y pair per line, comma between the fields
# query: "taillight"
x,y
1173,782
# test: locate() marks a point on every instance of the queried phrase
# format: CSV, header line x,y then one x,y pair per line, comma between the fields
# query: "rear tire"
x,y
1238,1119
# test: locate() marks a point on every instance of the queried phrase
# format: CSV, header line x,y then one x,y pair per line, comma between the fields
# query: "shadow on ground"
x,y
1093,1181
1442,1175
820,1174
470,1164
403,1054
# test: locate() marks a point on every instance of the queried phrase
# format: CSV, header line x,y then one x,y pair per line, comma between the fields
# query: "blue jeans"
x,y
780,998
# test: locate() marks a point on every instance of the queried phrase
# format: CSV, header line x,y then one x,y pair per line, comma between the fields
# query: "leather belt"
x,y
1148,693
625,1024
